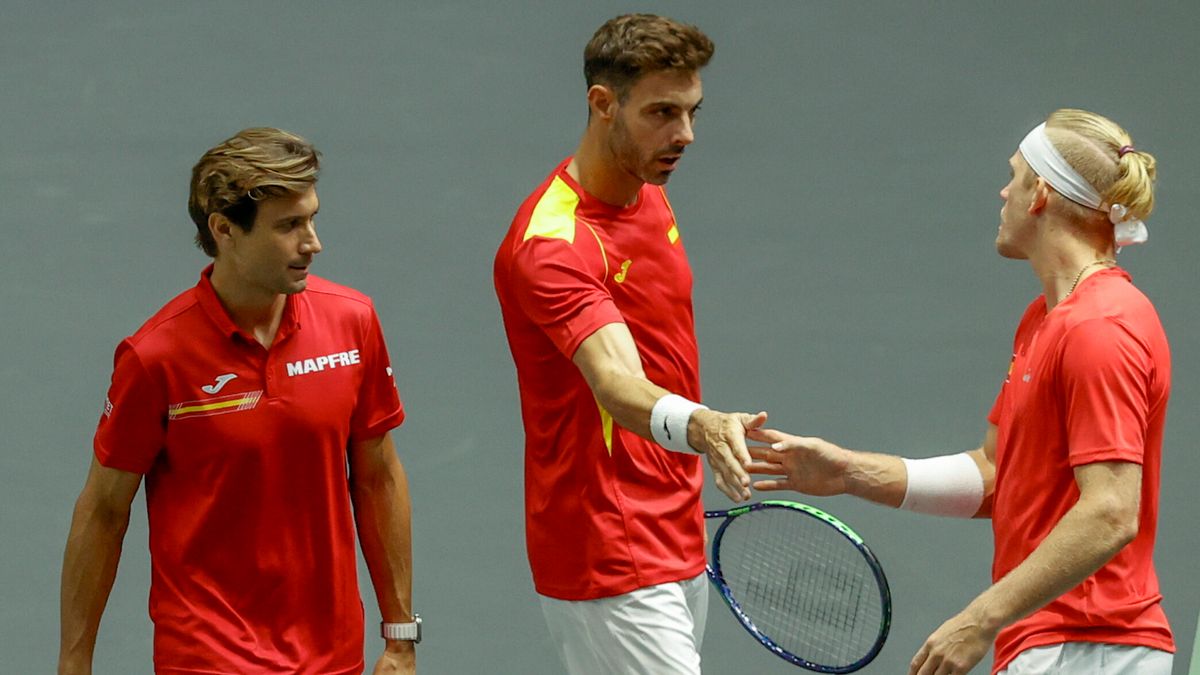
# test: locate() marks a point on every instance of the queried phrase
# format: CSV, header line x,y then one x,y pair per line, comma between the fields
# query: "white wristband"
x,y
950,485
669,420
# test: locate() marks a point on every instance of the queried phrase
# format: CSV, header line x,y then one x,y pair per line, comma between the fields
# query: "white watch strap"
x,y
402,631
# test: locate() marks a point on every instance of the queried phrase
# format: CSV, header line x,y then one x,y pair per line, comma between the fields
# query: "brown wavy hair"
x,y
629,46
255,164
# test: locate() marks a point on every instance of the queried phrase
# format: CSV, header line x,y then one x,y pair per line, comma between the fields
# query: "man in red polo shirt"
x,y
596,294
1069,467
242,402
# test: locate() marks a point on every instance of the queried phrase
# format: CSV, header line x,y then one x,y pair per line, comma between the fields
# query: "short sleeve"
x,y
556,289
1106,375
132,428
378,408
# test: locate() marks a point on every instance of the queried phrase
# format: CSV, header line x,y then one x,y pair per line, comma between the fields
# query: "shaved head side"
x,y
1103,153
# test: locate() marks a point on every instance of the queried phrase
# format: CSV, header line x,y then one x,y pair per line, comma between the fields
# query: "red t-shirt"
x,y
244,453
607,511
1089,382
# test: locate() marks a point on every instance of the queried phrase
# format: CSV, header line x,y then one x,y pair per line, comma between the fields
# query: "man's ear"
x,y
602,101
1041,195
221,229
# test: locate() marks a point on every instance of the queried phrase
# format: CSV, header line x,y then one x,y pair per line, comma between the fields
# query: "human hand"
x,y
810,465
721,437
398,658
954,648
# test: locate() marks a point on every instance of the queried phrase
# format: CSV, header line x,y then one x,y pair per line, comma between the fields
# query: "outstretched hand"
x,y
721,437
810,465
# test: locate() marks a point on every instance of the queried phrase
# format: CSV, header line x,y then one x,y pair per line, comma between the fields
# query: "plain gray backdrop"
x,y
839,206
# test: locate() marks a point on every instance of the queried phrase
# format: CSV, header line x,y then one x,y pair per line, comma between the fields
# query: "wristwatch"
x,y
402,631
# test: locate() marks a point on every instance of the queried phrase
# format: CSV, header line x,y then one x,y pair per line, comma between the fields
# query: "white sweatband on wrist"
x,y
950,485
669,421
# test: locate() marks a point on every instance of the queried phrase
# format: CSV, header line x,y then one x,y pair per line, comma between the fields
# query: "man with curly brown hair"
x,y
596,294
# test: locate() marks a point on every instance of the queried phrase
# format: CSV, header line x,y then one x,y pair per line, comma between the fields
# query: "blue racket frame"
x,y
718,580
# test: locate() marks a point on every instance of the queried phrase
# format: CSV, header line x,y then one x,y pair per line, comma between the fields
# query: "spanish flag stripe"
x,y
243,401
211,406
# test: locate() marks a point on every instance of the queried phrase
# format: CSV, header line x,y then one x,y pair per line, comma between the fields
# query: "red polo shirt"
x,y
244,453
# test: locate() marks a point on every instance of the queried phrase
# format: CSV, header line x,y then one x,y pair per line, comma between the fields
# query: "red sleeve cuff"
x,y
381,426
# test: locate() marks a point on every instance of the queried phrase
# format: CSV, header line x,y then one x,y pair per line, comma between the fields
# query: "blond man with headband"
x,y
242,402
1069,467
596,294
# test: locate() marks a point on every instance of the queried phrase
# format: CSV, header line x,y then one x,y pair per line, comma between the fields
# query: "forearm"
x,y
609,362
956,485
382,512
1085,539
874,477
628,399
89,568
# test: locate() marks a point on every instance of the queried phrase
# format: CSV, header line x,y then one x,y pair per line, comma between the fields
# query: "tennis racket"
x,y
802,583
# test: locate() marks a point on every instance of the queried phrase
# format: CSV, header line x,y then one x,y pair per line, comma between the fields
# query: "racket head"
x,y
843,569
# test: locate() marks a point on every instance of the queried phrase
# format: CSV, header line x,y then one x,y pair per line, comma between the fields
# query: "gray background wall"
x,y
839,207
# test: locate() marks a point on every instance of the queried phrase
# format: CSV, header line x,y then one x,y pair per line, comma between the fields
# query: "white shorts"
x,y
1092,658
657,629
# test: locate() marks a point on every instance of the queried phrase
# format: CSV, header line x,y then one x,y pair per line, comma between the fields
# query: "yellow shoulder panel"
x,y
554,215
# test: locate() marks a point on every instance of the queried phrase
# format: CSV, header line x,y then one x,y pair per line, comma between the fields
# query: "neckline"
x,y
593,203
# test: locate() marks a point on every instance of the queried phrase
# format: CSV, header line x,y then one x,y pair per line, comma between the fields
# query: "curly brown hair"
x,y
255,164
629,46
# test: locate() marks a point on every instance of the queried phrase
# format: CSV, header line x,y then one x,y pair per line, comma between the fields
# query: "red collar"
x,y
207,297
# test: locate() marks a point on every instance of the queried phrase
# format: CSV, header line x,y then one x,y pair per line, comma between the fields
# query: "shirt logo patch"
x,y
619,277
214,406
328,361
222,380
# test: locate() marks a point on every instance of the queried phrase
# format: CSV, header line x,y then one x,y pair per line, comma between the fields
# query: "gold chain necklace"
x,y
1102,261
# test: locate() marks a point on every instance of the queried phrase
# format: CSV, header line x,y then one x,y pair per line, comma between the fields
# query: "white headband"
x,y
1045,161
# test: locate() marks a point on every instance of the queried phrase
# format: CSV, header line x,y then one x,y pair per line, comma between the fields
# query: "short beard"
x,y
625,154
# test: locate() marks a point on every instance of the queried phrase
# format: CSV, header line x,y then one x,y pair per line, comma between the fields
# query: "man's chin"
x,y
1007,250
656,177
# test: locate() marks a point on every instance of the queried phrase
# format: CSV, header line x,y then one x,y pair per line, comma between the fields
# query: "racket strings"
x,y
803,584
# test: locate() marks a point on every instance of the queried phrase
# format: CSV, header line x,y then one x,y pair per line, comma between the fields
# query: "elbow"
x,y
610,379
1127,530
1120,520
603,385
109,517
380,480
364,486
